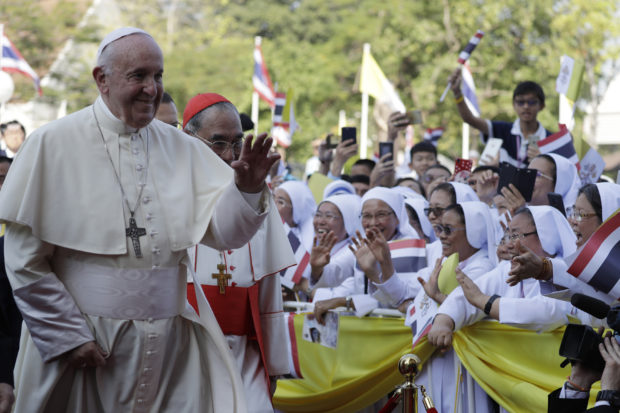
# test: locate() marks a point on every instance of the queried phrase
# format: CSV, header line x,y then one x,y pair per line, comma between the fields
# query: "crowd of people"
x,y
148,263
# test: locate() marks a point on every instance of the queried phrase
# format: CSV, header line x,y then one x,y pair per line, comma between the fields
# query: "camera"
x,y
580,342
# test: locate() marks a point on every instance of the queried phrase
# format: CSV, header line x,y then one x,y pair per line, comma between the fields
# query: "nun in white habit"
x,y
602,198
384,209
302,207
340,262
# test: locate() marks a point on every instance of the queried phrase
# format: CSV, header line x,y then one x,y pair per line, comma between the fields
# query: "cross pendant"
x,y
222,277
135,233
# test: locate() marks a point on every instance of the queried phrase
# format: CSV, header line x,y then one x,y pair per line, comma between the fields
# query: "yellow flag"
x,y
447,276
374,82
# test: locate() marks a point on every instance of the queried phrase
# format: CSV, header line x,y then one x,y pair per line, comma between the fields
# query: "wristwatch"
x,y
349,302
611,396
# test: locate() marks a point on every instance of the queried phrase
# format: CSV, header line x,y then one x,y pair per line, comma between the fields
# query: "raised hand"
x,y
525,265
431,287
396,122
365,257
471,291
513,198
344,151
254,163
320,253
383,173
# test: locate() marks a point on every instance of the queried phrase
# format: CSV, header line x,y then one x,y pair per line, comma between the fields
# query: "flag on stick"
x,y
433,134
568,85
292,275
597,263
374,83
284,125
260,79
13,62
468,88
560,143
464,55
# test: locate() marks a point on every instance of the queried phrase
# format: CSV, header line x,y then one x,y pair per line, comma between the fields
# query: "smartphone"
x,y
522,178
556,201
349,133
490,150
462,170
328,142
415,117
386,148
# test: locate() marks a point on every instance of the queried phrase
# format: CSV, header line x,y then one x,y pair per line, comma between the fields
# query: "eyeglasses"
x,y
529,102
542,175
446,229
327,216
379,216
437,211
578,215
516,236
222,146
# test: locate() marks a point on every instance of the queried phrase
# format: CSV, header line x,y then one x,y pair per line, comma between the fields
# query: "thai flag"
x,y
560,143
598,261
468,88
408,255
292,275
13,62
433,134
260,79
473,42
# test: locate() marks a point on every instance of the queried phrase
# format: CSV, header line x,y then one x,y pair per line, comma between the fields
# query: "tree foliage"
x,y
315,47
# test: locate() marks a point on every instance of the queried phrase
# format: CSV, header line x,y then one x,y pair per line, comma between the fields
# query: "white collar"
x,y
516,130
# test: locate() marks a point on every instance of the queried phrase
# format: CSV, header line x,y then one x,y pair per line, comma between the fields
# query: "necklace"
x,y
133,231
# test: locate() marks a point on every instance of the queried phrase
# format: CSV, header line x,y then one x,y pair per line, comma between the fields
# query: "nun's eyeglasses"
x,y
446,229
577,214
516,235
379,216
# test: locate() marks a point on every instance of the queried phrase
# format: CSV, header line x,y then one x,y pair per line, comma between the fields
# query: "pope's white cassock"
x,y
76,277
249,306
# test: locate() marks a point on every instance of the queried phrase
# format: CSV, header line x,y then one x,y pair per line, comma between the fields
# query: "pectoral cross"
x,y
135,233
222,278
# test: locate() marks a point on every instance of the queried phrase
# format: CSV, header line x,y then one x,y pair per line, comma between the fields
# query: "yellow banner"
x,y
517,368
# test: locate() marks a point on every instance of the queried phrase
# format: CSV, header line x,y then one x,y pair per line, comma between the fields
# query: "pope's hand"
x,y
87,355
254,163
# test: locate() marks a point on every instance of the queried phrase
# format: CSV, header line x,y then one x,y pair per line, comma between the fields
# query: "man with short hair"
x,y
167,111
423,155
13,135
248,302
96,249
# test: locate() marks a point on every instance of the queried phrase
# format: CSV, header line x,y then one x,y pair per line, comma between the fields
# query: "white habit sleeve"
x,y
54,320
234,220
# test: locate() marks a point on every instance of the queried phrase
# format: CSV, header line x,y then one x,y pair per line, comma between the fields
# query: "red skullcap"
x,y
201,102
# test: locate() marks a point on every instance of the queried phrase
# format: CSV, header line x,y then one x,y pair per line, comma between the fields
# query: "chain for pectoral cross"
x,y
222,277
133,231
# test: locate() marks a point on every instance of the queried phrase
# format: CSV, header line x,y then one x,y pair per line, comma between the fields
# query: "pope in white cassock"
x,y
100,208
242,285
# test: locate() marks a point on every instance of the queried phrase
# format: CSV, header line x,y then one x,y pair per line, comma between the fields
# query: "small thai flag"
x,y
598,261
473,42
292,275
13,62
408,255
468,88
433,134
260,79
560,143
